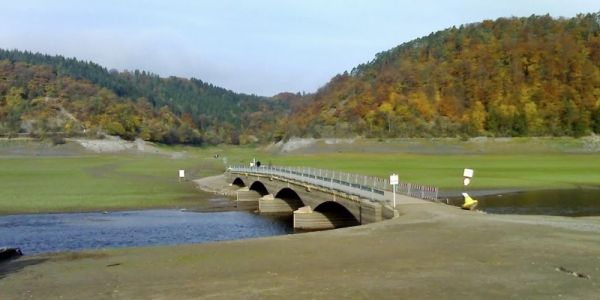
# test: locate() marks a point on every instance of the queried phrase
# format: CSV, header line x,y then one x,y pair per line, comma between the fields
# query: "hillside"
x,y
535,76
530,76
36,90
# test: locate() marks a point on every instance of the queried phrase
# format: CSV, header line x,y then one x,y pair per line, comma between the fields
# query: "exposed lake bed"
x,y
420,253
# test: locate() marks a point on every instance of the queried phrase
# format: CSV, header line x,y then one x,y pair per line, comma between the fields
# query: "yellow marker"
x,y
470,203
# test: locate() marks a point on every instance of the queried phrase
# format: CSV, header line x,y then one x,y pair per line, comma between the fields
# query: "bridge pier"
x,y
270,204
327,205
247,199
307,219
370,212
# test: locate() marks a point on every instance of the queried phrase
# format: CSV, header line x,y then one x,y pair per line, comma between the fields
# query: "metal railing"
x,y
418,191
368,187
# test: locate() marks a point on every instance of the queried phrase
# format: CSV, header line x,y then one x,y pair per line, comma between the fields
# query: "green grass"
x,y
99,182
518,163
31,183
543,171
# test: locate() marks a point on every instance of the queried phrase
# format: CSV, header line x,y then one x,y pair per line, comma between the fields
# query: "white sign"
x,y
468,173
181,173
394,179
394,182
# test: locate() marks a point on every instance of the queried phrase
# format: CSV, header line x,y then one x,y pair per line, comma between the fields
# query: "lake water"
x,y
40,233
575,203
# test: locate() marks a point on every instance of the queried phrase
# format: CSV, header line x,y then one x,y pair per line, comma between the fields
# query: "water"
x,y
574,203
40,233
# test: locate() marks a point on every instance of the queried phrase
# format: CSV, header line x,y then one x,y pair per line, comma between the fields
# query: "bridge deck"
x,y
372,188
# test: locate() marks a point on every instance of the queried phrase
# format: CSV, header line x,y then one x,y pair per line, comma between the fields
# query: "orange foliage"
x,y
512,76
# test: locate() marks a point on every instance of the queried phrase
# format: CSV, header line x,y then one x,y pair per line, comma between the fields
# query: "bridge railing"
x,y
418,191
363,186
368,187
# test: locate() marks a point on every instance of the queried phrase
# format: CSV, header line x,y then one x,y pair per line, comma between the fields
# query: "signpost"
x,y
394,182
467,174
470,203
181,175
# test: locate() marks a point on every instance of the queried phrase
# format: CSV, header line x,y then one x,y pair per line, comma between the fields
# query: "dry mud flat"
x,y
431,251
79,146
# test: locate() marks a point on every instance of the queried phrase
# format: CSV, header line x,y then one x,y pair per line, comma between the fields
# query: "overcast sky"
x,y
261,47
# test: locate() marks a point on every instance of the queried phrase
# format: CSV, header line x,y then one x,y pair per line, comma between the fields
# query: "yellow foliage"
x,y
478,116
534,120
421,104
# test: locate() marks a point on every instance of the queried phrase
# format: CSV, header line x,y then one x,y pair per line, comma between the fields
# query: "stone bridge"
x,y
318,199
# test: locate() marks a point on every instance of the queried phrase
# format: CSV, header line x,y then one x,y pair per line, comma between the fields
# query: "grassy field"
x,y
98,182
545,171
81,181
39,177
501,163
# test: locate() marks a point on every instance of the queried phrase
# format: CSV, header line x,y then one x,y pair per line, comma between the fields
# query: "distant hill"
x,y
509,77
33,87
534,76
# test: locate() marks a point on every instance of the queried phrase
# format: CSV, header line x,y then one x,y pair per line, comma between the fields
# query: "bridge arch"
x,y
239,182
260,188
290,197
337,214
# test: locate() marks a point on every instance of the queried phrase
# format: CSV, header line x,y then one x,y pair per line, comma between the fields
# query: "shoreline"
x,y
202,206
217,186
418,255
214,184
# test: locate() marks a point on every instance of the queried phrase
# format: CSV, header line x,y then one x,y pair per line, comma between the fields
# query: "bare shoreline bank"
x,y
430,251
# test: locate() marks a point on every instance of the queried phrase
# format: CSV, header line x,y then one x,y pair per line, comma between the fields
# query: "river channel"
x,y
42,233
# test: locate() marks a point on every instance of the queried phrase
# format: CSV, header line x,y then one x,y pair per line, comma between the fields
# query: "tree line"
x,y
129,104
529,76
532,76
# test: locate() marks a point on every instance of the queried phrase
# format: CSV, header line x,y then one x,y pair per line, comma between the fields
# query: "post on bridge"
x,y
394,183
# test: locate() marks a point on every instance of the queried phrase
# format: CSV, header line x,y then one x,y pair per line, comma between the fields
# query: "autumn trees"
x,y
529,76
34,101
128,104
508,77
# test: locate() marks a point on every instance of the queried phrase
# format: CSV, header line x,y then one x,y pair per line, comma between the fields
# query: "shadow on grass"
x,y
8,267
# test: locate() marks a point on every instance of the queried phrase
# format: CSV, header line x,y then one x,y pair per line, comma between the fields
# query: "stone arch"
x,y
260,188
337,214
290,197
239,182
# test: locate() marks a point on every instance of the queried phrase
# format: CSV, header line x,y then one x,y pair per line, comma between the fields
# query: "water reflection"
x,y
77,231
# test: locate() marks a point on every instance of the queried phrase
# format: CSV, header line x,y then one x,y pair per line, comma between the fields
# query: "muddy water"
x,y
575,203
40,233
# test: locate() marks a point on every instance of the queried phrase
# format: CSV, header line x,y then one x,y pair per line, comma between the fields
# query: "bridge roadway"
x,y
318,199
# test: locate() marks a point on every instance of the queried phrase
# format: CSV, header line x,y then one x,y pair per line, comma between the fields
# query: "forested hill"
x,y
129,104
508,77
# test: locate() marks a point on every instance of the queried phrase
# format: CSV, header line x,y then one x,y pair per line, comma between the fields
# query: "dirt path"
x,y
215,184
431,251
